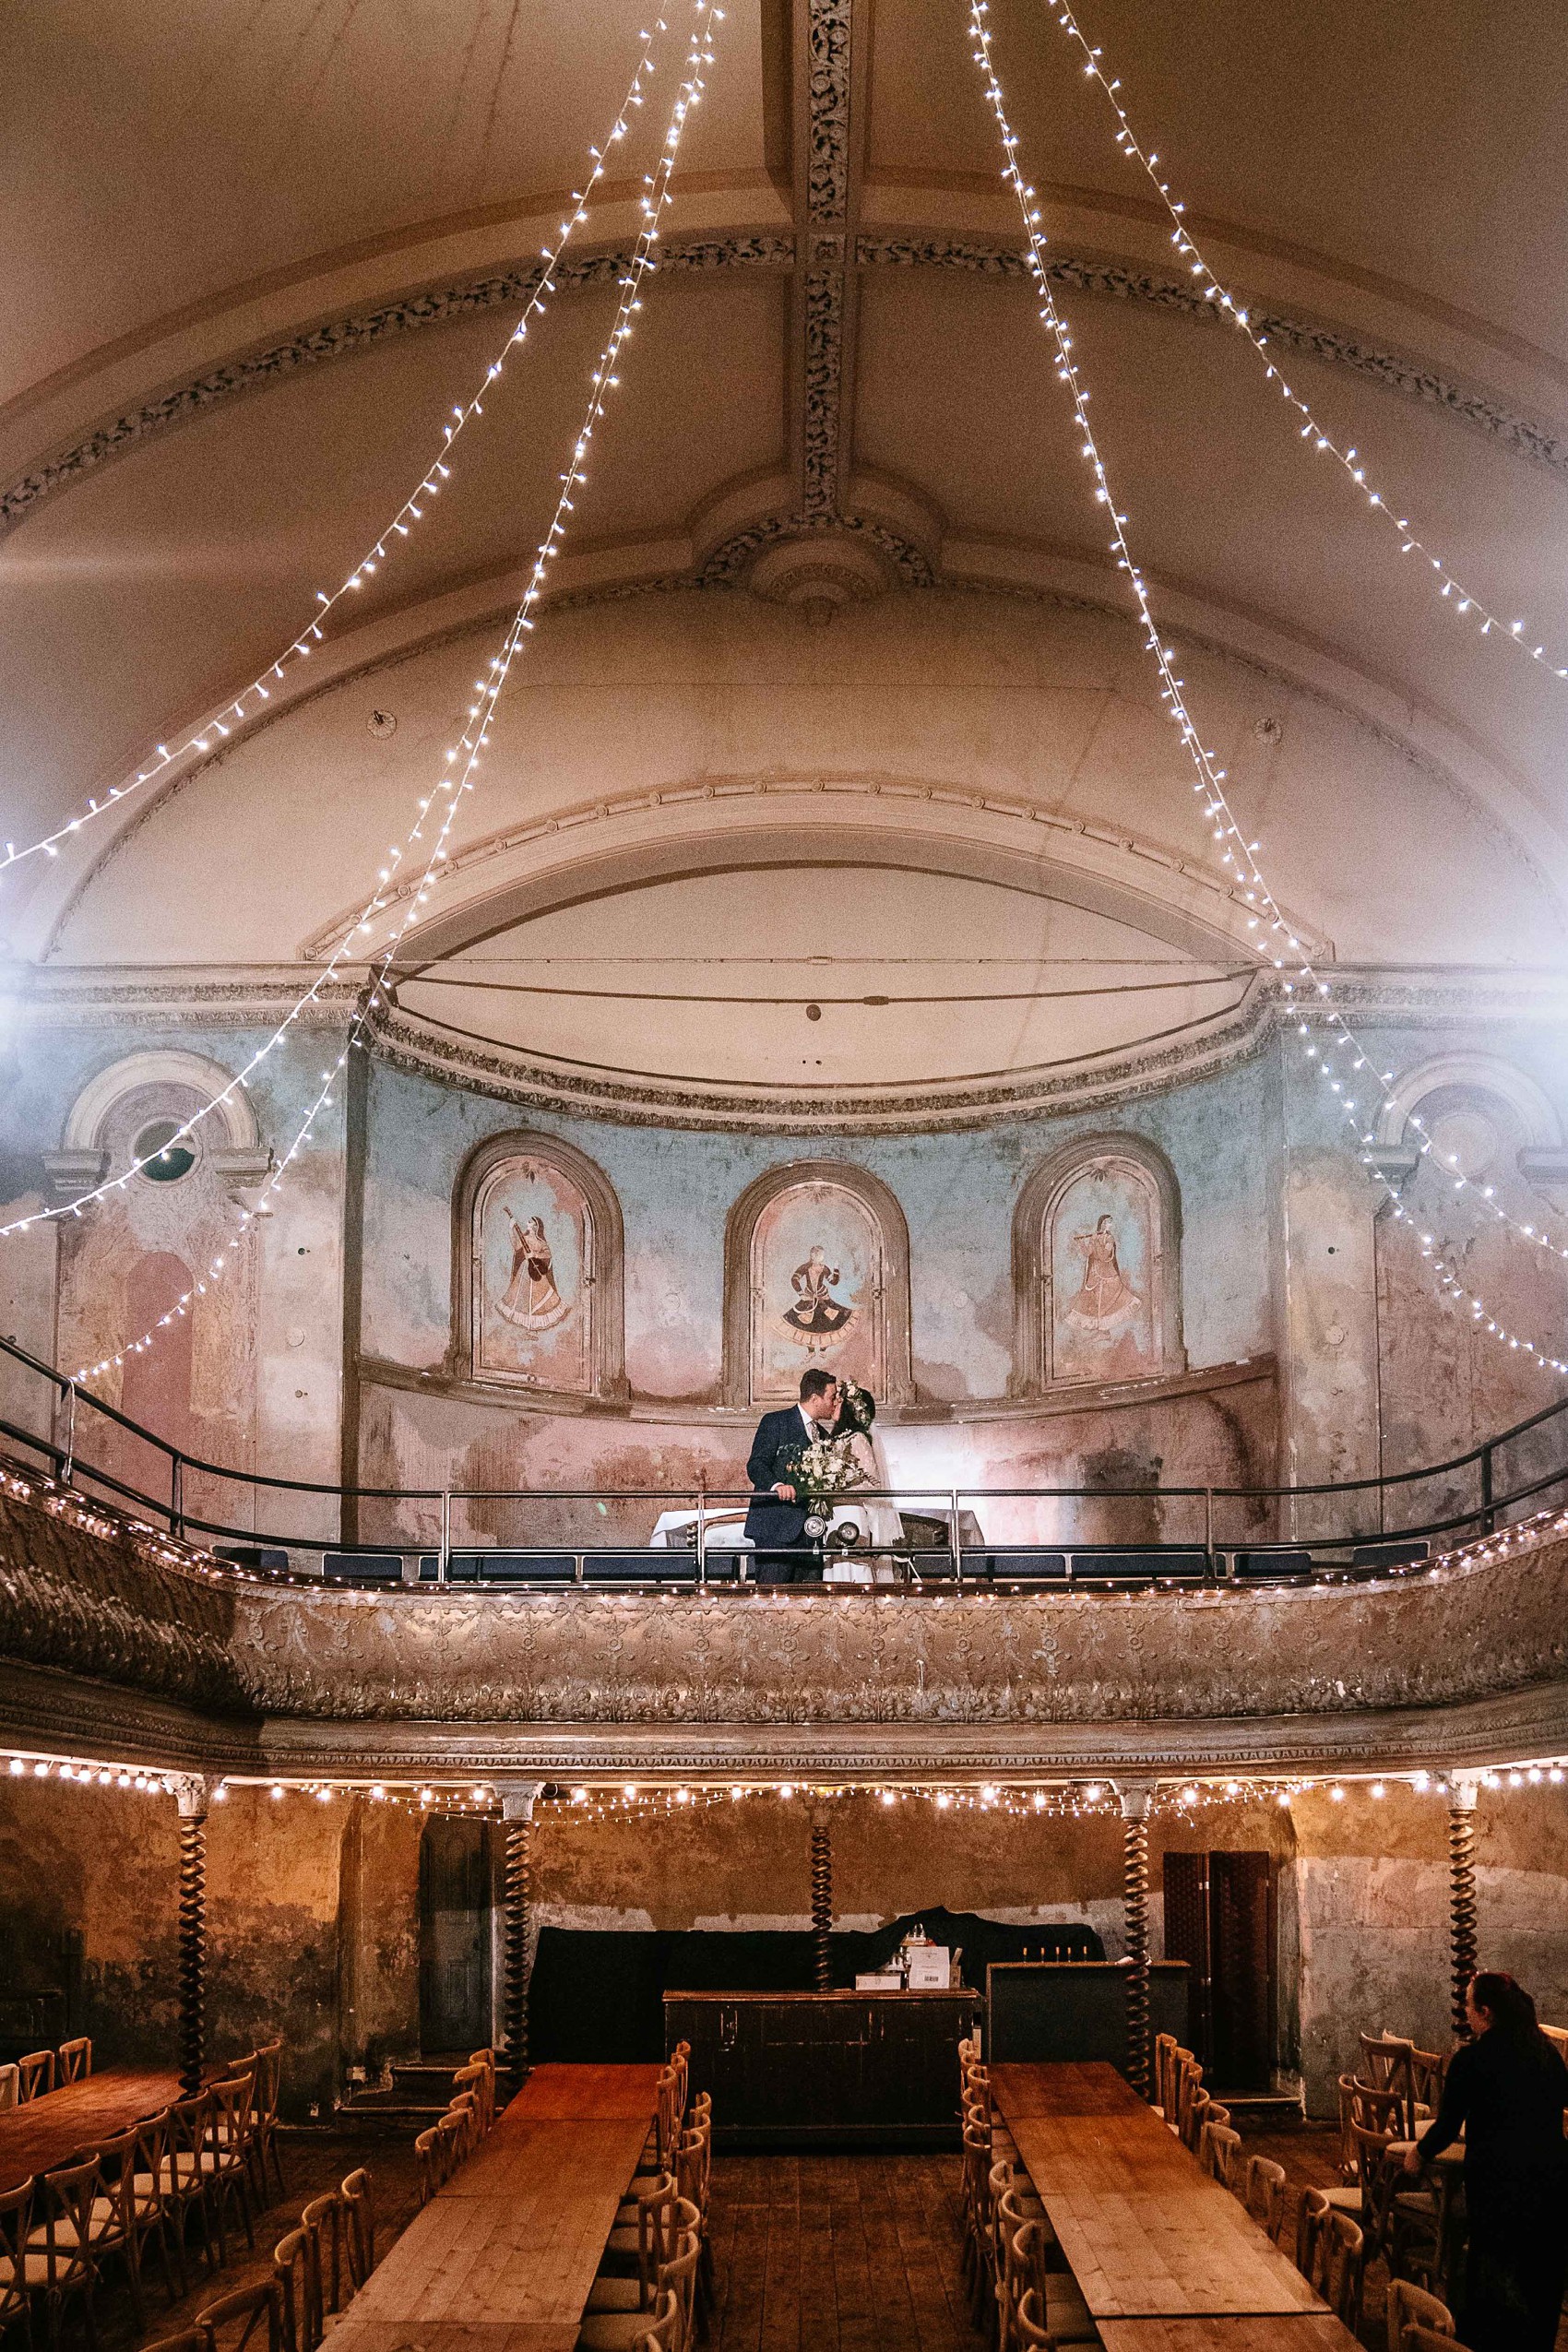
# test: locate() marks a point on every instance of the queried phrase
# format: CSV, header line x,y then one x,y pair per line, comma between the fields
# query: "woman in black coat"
x,y
1508,2088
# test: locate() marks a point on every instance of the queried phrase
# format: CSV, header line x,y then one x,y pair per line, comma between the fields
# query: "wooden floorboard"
x,y
839,2253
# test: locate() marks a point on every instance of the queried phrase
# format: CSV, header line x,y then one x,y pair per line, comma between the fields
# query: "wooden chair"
x,y
263,2139
358,2193
976,2198
1429,2339
1264,2189
663,2332
182,2182
35,2075
474,2080
427,2157
1388,2064
621,2331
1029,2324
326,2218
129,2207
228,2325
296,2271
641,2243
225,2152
73,2060
451,2145
1196,2115
463,2112
1165,2048
1312,2215
1409,2307
190,2339
16,2220
57,2257
10,2086
1220,2151
1339,2262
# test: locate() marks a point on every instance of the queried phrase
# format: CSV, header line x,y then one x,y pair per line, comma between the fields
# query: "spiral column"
x,y
1462,1938
822,1901
193,1794
1135,1907
517,1811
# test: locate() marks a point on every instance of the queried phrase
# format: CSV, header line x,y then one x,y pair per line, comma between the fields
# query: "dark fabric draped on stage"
x,y
599,1995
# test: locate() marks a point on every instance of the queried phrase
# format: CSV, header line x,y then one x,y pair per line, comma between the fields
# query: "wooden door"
x,y
1219,1918
455,1903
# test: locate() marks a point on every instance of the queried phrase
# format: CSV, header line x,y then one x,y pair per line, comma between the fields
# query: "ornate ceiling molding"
x,y
1521,435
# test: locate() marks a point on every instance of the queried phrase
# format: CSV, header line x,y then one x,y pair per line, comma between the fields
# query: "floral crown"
x,y
859,1402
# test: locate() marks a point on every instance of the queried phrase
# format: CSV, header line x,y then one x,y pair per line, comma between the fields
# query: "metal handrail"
x,y
71,1466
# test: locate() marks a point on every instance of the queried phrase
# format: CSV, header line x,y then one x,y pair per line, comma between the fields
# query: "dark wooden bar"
x,y
825,2069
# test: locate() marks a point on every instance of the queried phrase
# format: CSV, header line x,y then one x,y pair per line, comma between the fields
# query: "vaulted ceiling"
x,y
255,250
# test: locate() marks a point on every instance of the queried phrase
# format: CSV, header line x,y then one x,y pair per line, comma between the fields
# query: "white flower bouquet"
x,y
823,1470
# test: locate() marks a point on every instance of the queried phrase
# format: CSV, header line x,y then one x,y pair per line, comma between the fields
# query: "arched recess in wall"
x,y
139,1253
816,1272
1096,1268
537,1277
1444,1383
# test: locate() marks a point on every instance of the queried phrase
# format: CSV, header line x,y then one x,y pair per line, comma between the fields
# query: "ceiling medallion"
x,y
818,576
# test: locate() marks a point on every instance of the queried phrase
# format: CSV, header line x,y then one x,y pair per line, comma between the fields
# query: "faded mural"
x,y
532,1274
816,1290
1103,1255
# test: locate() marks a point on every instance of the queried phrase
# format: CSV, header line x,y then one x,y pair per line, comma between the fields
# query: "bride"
x,y
856,1416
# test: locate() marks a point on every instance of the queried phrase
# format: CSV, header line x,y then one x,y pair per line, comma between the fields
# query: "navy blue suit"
x,y
771,1525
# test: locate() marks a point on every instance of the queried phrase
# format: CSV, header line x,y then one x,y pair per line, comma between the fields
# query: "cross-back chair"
x,y
359,2203
225,2152
16,2220
229,2324
35,2075
1263,2191
326,2218
74,2059
296,2270
1410,2306
57,2259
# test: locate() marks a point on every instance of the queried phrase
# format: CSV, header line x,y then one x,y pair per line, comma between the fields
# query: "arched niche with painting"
x,y
537,1275
816,1272
1096,1268
139,1257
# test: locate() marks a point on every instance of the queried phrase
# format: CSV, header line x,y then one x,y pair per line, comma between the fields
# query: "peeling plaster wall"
x,y
104,1864
1372,1887
314,1926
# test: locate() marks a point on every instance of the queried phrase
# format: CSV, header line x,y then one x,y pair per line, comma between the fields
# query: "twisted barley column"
x,y
193,1950
822,1902
519,1895
1463,1943
1135,1903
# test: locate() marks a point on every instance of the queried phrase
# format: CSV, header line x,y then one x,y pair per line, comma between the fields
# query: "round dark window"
x,y
164,1161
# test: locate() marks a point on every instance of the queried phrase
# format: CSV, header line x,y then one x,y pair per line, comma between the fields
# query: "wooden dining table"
x,y
50,2130
502,2258
1166,2259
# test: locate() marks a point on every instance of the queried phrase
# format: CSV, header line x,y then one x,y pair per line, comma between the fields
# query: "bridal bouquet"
x,y
825,1469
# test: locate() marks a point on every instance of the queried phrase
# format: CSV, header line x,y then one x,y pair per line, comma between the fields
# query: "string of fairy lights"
x,y
1283,948
1352,466
1077,1799
387,881
461,762
402,524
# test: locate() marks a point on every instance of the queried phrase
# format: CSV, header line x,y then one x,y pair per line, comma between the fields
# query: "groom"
x,y
775,1517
